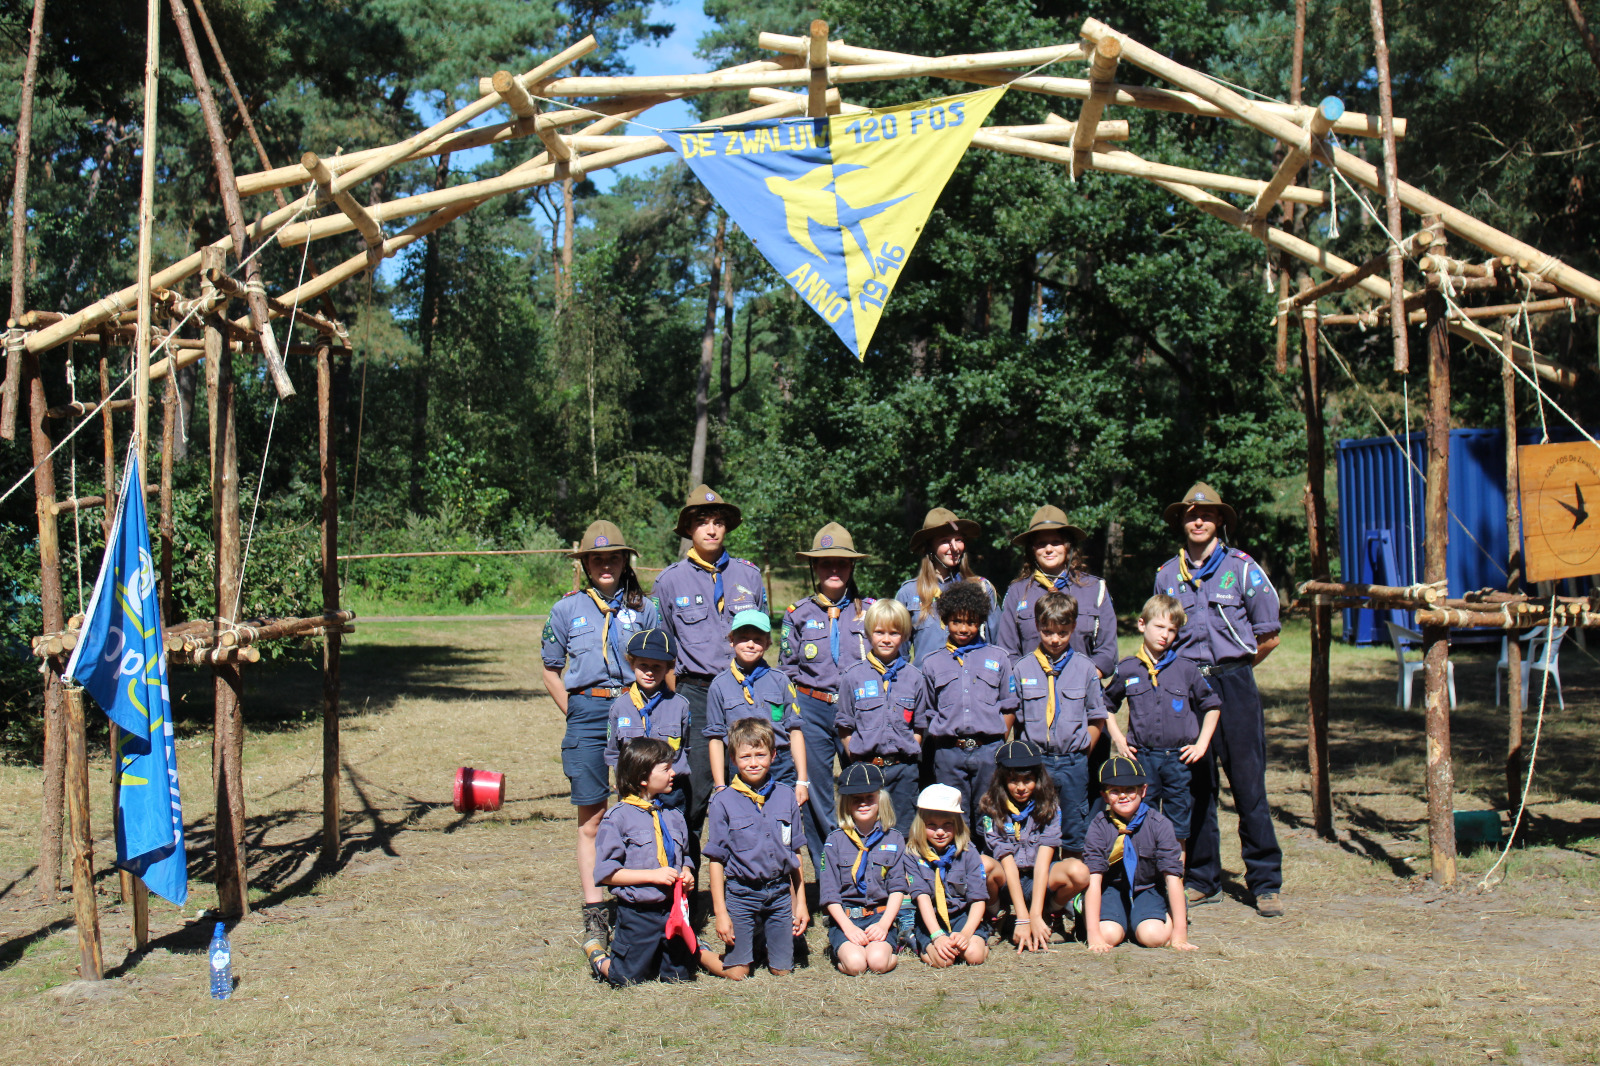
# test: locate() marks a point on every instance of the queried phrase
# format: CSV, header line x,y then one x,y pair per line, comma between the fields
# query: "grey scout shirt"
x,y
1021,840
1154,842
879,716
1166,714
805,652
1229,612
775,703
964,882
626,840
886,870
1094,635
689,611
572,639
1079,701
927,634
755,843
968,700
669,721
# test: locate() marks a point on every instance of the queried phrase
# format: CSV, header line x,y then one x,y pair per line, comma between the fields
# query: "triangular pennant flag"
x,y
837,204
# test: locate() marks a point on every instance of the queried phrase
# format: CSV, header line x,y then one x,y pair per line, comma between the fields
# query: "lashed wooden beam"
x,y
1102,75
524,106
364,223
817,67
1296,155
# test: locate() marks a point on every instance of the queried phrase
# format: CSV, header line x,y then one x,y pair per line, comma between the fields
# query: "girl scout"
x,y
942,543
584,648
1053,562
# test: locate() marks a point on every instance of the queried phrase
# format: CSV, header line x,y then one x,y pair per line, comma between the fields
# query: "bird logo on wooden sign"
x,y
1557,480
1579,515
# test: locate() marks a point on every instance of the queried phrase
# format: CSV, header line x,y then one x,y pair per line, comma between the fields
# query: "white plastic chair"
x,y
1544,654
1401,637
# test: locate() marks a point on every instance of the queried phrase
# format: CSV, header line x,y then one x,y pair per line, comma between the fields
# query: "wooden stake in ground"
x,y
1436,638
1391,193
1513,576
11,393
328,468
227,730
44,493
86,913
1316,534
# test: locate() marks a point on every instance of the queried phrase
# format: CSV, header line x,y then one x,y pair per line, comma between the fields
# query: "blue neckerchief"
x,y
859,870
618,642
1018,819
650,705
666,837
1060,664
748,681
715,570
1063,581
1209,567
835,612
959,652
1130,858
891,672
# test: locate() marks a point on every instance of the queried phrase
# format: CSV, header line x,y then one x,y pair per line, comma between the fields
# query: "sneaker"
x,y
1269,905
1197,898
595,952
596,923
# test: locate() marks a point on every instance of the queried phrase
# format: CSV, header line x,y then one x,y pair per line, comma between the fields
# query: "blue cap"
x,y
751,618
652,644
860,777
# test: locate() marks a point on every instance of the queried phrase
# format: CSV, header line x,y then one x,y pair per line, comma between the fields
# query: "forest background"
x,y
536,365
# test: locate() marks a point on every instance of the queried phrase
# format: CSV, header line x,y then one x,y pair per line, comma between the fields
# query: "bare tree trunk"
x,y
1584,32
427,325
708,349
19,221
55,704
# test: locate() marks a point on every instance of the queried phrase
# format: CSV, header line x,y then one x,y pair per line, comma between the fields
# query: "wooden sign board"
x,y
1560,510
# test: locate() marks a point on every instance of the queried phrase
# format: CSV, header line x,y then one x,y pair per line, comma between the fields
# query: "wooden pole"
x,y
1513,579
11,394
86,913
107,439
1391,192
222,160
1102,78
1317,538
1297,154
54,618
328,467
232,867
169,441
817,63
134,893
147,192
1297,67
1436,638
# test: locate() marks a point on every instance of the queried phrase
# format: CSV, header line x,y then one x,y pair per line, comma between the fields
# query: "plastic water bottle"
x,y
221,958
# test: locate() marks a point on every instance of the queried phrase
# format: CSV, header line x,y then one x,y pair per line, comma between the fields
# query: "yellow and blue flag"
x,y
120,661
836,204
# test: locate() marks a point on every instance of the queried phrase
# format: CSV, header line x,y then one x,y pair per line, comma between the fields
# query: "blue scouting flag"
x,y
836,204
121,662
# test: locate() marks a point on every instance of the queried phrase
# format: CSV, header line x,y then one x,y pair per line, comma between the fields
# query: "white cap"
x,y
944,798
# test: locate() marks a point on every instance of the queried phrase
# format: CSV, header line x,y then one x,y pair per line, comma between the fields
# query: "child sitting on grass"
x,y
753,848
1021,825
863,875
641,851
648,709
947,882
1132,854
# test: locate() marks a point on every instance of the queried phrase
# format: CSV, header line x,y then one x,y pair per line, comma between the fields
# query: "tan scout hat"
x,y
601,536
832,541
942,520
703,498
1200,495
1047,518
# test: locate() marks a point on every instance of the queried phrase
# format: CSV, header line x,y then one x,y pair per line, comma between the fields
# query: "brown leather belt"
x,y
601,693
818,693
886,760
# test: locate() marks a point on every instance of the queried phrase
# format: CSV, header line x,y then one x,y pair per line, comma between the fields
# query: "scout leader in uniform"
x,y
1052,549
824,635
1232,612
942,544
585,653
698,596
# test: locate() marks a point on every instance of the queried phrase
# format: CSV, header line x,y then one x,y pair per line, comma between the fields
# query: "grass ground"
x,y
442,938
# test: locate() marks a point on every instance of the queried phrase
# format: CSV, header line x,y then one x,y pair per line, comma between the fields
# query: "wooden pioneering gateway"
x,y
181,310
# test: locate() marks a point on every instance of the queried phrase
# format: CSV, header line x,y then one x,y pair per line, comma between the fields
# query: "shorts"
x,y
837,939
1146,904
583,749
760,912
922,941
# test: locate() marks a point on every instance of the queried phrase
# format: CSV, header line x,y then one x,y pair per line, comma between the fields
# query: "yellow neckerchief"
x,y
710,568
1185,575
745,790
958,652
1149,663
738,675
1049,672
1123,832
940,903
1047,581
876,663
1013,827
655,813
606,611
861,849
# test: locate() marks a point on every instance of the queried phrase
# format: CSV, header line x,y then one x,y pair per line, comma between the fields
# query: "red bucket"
x,y
479,790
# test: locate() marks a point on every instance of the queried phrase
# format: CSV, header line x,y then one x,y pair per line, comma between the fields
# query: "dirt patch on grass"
x,y
443,938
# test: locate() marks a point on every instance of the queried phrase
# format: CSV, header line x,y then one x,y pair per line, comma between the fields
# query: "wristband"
x,y
803,784
937,933
1024,921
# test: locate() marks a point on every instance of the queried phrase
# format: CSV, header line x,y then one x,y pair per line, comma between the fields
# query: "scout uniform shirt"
x,y
879,712
1094,634
755,843
1075,685
1154,843
689,595
927,634
815,648
964,881
634,715
869,882
972,689
1165,705
589,636
1230,603
626,840
1019,834
770,697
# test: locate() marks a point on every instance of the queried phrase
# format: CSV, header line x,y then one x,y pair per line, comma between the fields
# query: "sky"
x,y
675,55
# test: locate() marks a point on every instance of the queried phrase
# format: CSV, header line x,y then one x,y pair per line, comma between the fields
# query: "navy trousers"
x,y
822,740
1240,745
